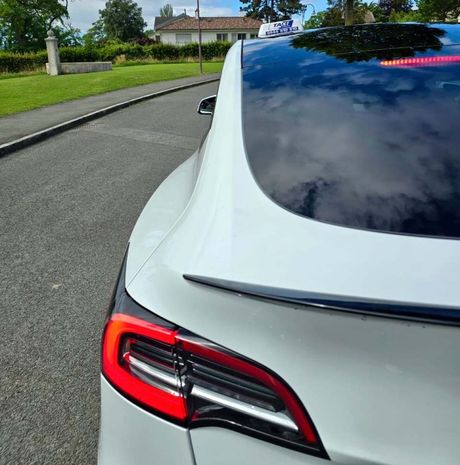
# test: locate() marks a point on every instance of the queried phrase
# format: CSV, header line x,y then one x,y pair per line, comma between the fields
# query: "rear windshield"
x,y
367,140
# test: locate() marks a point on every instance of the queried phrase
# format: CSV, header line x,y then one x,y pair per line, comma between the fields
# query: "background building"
x,y
184,30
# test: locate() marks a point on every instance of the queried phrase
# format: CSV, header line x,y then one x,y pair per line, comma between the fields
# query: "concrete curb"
x,y
25,141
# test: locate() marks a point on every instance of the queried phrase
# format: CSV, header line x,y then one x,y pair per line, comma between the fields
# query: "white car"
x,y
291,293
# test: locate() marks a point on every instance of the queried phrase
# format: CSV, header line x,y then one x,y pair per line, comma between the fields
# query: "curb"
x,y
25,141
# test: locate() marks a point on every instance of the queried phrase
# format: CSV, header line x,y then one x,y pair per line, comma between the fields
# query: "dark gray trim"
x,y
30,139
374,307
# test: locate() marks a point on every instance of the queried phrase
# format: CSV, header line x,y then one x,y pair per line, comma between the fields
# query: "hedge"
x,y
14,62
17,62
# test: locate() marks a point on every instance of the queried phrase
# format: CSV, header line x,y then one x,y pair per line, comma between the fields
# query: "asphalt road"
x,y
67,209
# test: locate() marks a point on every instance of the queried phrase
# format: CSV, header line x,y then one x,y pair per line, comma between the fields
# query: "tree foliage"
x,y
95,34
120,20
315,21
271,10
438,10
335,13
359,43
24,23
67,35
167,11
390,11
398,6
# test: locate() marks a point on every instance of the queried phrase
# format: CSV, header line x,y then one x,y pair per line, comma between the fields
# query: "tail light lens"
x,y
194,382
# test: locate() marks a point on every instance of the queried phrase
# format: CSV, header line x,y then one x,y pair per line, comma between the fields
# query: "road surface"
x,y
67,209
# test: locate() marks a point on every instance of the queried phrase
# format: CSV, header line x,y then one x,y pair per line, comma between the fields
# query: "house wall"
x,y
169,37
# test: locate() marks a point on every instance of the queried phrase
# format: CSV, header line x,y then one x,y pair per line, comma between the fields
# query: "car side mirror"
x,y
207,105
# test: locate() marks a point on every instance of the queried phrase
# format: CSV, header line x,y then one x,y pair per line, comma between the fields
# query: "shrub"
x,y
215,49
14,63
17,62
162,52
209,50
75,54
144,41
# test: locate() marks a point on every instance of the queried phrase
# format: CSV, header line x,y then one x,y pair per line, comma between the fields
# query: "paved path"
x,y
22,124
68,205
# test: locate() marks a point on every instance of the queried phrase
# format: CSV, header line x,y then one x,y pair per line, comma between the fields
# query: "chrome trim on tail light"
x,y
151,371
276,418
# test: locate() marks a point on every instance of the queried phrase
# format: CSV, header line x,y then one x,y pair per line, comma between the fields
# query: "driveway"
x,y
67,209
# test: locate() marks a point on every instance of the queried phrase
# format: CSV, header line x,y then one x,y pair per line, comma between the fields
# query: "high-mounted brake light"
x,y
193,382
421,61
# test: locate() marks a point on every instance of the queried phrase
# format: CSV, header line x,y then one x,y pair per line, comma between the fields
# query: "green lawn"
x,y
28,92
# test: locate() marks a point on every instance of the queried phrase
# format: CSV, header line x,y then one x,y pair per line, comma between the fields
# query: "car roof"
x,y
381,41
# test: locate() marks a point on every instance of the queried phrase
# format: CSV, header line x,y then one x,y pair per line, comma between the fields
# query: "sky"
x,y
84,12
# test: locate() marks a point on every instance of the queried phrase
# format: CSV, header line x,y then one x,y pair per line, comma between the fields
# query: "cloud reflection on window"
x,y
358,145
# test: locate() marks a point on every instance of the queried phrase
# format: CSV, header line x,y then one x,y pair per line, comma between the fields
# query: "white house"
x,y
184,30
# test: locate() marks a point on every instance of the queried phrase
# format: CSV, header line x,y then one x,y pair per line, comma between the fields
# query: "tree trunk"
x,y
349,13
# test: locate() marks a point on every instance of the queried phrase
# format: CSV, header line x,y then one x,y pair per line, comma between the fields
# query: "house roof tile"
x,y
212,23
161,21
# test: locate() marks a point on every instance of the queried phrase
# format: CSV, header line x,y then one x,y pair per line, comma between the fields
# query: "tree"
x,y
355,11
122,20
315,21
397,6
95,34
438,10
349,13
24,23
376,10
359,43
67,35
167,11
271,10
341,12
412,16
335,13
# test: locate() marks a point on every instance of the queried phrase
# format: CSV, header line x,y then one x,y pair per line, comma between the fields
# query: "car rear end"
x,y
275,383
302,313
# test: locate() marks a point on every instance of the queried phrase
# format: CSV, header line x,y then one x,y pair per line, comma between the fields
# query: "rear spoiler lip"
x,y
371,307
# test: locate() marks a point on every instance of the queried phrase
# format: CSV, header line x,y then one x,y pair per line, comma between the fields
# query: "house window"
x,y
254,36
222,37
182,39
238,36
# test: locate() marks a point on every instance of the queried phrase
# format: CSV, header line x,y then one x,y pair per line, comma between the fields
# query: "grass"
x,y
27,92
22,74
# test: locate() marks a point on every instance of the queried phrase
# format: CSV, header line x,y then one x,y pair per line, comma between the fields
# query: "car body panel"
x,y
379,390
218,446
129,435
165,206
231,230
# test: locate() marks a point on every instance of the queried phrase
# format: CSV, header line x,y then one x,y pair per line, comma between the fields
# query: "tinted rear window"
x,y
368,139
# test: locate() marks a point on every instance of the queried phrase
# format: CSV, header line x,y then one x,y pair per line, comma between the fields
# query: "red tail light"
x,y
120,367
195,383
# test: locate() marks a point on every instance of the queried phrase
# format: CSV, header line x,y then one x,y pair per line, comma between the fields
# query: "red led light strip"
x,y
426,61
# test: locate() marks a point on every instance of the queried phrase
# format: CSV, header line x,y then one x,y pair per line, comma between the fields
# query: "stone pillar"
x,y
54,61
